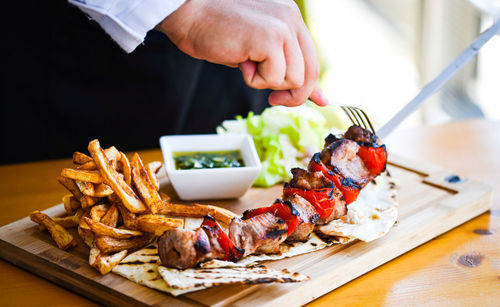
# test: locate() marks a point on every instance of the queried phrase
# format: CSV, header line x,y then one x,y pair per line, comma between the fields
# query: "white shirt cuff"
x,y
128,21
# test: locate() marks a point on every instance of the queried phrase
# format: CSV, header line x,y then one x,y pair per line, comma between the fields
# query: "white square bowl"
x,y
213,183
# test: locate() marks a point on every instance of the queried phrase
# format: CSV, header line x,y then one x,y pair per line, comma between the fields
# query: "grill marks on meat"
x,y
309,216
341,157
304,179
260,234
339,209
180,248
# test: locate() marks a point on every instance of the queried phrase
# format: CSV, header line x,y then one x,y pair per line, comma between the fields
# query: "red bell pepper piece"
x,y
283,210
321,199
374,158
232,252
349,190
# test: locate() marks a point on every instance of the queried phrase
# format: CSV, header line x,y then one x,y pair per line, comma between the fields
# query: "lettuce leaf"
x,y
286,137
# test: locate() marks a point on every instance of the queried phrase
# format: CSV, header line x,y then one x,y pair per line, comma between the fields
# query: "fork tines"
x,y
358,117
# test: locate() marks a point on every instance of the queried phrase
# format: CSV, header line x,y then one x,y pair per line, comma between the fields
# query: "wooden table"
x,y
460,267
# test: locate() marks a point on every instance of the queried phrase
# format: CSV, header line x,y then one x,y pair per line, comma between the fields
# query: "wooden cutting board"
x,y
428,207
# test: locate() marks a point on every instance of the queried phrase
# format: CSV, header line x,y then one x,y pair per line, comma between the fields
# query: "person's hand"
x,y
267,40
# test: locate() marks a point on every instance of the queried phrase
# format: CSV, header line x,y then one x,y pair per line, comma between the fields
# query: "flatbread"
x,y
191,278
371,216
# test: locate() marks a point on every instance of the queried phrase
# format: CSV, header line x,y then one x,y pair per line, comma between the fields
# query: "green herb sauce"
x,y
209,159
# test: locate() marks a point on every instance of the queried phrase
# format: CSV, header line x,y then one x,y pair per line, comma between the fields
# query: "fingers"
x,y
309,89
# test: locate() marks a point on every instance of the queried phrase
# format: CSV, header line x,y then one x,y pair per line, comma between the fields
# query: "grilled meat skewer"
x,y
314,196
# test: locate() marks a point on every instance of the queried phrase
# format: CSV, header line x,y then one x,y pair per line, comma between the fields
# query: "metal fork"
x,y
358,117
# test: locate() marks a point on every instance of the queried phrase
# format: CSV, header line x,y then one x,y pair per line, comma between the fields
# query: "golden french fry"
x,y
87,188
60,235
144,187
71,204
151,169
109,245
70,185
111,217
119,186
100,229
82,175
98,211
158,224
128,217
69,221
196,210
102,190
84,230
165,198
80,158
88,201
127,175
104,264
112,153
89,166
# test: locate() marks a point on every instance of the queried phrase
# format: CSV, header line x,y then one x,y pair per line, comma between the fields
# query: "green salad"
x,y
286,137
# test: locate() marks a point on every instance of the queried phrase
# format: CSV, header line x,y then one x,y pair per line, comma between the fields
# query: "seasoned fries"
x,y
109,245
70,203
100,229
87,188
158,224
127,172
144,187
62,237
124,191
81,158
151,169
197,210
82,175
116,206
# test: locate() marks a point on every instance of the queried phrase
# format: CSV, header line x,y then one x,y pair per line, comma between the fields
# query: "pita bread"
x,y
191,278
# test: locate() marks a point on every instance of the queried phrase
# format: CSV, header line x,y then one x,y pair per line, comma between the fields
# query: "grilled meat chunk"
x,y
260,234
340,156
303,179
180,248
307,213
358,134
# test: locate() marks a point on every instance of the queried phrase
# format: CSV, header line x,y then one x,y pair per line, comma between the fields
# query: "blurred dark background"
x,y
65,82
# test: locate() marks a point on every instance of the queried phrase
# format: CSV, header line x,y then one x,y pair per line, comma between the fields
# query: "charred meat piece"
x,y
262,233
179,248
304,179
308,215
360,135
341,157
220,241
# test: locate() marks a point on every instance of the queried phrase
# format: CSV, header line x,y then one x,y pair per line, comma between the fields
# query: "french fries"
x,y
82,175
124,191
151,169
109,245
70,204
144,187
100,229
157,224
196,210
127,172
116,206
87,188
60,235
70,185
104,264
80,158
111,217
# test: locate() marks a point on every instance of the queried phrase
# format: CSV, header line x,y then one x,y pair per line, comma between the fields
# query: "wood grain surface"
x,y
460,266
